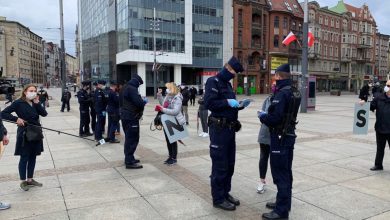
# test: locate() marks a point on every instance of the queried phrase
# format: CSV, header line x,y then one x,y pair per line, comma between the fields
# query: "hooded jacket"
x,y
130,101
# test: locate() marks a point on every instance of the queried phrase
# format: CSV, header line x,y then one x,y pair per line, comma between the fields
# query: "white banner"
x,y
173,129
361,118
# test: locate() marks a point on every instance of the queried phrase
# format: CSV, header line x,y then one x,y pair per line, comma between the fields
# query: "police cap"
x,y
86,82
101,82
283,68
114,82
236,65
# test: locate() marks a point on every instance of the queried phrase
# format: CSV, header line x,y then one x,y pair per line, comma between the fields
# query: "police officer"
x,y
65,99
221,101
84,100
100,108
92,106
131,110
113,111
281,119
43,97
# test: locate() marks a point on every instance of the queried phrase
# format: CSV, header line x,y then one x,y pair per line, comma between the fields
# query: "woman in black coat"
x,y
27,109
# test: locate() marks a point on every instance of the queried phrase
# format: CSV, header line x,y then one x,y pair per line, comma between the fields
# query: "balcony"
x,y
314,55
363,59
295,50
256,25
346,59
253,67
240,24
363,46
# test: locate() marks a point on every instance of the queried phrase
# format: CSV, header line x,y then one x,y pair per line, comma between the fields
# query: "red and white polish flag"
x,y
289,39
310,40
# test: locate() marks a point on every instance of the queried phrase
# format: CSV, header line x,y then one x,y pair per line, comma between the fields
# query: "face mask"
x,y
168,91
226,75
386,89
103,87
31,95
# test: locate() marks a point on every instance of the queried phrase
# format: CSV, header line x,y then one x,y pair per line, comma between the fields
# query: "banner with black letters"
x,y
173,129
361,118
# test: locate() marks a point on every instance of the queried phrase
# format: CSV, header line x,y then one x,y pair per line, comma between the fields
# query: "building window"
x,y
285,22
344,38
320,20
240,38
326,21
337,24
332,22
276,22
276,41
240,16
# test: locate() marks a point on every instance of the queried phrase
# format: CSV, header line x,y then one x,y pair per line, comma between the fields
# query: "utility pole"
x,y
63,73
305,74
154,27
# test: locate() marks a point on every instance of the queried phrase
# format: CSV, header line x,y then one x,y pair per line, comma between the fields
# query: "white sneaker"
x,y
205,135
261,188
4,206
201,134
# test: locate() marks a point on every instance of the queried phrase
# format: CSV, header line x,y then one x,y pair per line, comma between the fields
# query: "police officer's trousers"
x,y
131,129
281,157
113,124
100,121
93,119
84,121
223,157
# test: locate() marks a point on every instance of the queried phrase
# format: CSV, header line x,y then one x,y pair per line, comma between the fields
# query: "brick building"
x,y
52,63
381,57
285,16
21,53
251,44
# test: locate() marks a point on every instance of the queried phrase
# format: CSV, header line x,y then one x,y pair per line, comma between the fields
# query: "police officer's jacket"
x,y
113,102
130,101
43,96
279,108
100,100
218,90
381,106
84,99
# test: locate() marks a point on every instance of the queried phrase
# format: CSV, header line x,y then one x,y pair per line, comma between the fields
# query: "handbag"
x,y
156,122
33,133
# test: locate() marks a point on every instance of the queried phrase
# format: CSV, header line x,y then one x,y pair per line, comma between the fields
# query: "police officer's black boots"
x,y
270,205
225,205
233,200
273,216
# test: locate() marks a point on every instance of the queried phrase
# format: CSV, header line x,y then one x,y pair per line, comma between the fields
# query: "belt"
x,y
223,122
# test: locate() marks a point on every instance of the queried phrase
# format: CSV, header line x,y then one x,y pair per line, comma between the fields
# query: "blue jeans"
x,y
27,163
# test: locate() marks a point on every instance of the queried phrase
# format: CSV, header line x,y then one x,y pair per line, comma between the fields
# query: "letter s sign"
x,y
360,116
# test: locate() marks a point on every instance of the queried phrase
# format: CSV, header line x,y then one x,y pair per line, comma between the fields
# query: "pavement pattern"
x,y
332,179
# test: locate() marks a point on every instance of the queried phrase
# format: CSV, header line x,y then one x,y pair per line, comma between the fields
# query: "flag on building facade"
x,y
289,39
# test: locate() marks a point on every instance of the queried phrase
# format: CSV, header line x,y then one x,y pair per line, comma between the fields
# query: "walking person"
x,y
113,112
281,120
264,140
131,110
171,104
186,97
28,109
4,138
193,93
203,115
381,106
65,99
43,97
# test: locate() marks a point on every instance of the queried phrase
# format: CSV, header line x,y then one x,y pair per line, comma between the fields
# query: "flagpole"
x,y
304,59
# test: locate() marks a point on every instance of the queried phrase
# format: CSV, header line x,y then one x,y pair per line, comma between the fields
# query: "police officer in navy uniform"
x,y
220,99
113,111
100,108
92,105
84,100
281,119
131,110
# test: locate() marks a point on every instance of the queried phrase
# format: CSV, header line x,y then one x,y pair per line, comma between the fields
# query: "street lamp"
x,y
155,27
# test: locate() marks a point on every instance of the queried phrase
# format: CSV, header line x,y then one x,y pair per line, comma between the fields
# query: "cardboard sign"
x,y
173,129
361,118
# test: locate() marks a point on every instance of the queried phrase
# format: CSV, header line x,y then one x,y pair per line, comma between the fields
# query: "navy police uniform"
x,y
100,108
84,100
281,119
113,112
223,125
92,106
131,110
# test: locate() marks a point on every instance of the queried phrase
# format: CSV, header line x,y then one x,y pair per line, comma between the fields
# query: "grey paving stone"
x,y
376,185
137,209
10,187
63,215
146,170
97,192
89,176
345,202
186,205
383,216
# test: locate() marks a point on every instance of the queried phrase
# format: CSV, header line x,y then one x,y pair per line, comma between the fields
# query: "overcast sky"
x,y
39,15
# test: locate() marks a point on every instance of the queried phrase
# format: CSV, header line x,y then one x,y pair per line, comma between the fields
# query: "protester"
x,y
193,93
171,105
381,106
281,119
28,109
264,140
186,97
203,114
65,99
5,140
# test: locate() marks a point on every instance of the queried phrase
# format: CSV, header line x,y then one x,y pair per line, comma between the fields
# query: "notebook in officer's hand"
x,y
245,103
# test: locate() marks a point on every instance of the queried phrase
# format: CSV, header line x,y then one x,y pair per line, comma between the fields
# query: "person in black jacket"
x,y
28,110
85,101
4,138
131,110
381,106
364,92
193,93
65,100
186,97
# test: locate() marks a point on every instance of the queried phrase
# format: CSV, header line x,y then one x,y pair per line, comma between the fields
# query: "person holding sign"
x,y
220,99
381,106
171,105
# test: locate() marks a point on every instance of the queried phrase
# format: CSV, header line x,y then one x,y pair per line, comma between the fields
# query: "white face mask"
x,y
168,91
31,95
386,89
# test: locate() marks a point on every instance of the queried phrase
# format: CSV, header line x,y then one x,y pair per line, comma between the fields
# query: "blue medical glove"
x,y
233,103
104,113
261,114
146,100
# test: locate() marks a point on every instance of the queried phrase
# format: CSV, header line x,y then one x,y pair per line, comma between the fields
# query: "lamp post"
x,y
304,60
155,27
63,74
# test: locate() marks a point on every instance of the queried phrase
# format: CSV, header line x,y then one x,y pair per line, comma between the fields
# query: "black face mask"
x,y
226,75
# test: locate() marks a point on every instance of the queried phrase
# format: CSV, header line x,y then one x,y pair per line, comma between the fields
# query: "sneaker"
x,y
171,162
201,134
261,188
205,135
34,183
166,161
4,206
24,186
